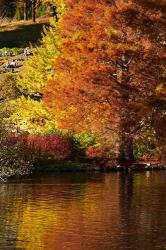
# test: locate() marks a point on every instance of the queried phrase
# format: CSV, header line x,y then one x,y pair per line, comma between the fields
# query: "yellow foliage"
x,y
29,116
38,69
25,113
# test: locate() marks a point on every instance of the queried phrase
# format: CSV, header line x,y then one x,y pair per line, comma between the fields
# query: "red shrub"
x,y
52,146
39,146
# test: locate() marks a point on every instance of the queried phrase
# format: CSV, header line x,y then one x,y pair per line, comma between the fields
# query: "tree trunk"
x,y
126,156
34,10
55,14
25,11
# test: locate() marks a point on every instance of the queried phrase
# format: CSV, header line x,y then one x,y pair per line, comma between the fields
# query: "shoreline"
x,y
74,167
96,168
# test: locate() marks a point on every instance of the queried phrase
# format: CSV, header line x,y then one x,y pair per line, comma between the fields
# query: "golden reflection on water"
x,y
59,216
83,212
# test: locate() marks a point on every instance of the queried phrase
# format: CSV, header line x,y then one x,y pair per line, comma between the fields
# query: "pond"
x,y
84,211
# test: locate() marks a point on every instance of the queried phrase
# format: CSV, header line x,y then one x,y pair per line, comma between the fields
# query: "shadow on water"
x,y
142,210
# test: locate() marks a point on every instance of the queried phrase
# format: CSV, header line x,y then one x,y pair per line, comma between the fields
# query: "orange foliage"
x,y
93,152
112,61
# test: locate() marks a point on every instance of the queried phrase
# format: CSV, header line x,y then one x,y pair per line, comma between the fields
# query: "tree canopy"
x,y
110,75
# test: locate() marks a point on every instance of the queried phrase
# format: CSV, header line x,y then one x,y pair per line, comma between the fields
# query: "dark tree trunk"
x,y
55,13
34,2
126,156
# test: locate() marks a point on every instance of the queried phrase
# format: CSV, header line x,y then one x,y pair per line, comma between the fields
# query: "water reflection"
x,y
84,211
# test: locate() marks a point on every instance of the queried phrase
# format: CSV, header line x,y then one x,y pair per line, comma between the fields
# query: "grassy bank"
x,y
14,37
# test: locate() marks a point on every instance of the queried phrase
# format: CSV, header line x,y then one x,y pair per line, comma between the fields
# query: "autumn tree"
x,y
111,74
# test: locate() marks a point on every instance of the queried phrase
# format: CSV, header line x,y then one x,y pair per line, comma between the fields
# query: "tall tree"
x,y
25,9
34,6
111,72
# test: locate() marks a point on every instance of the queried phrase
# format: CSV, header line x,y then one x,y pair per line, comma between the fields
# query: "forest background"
x,y
93,91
